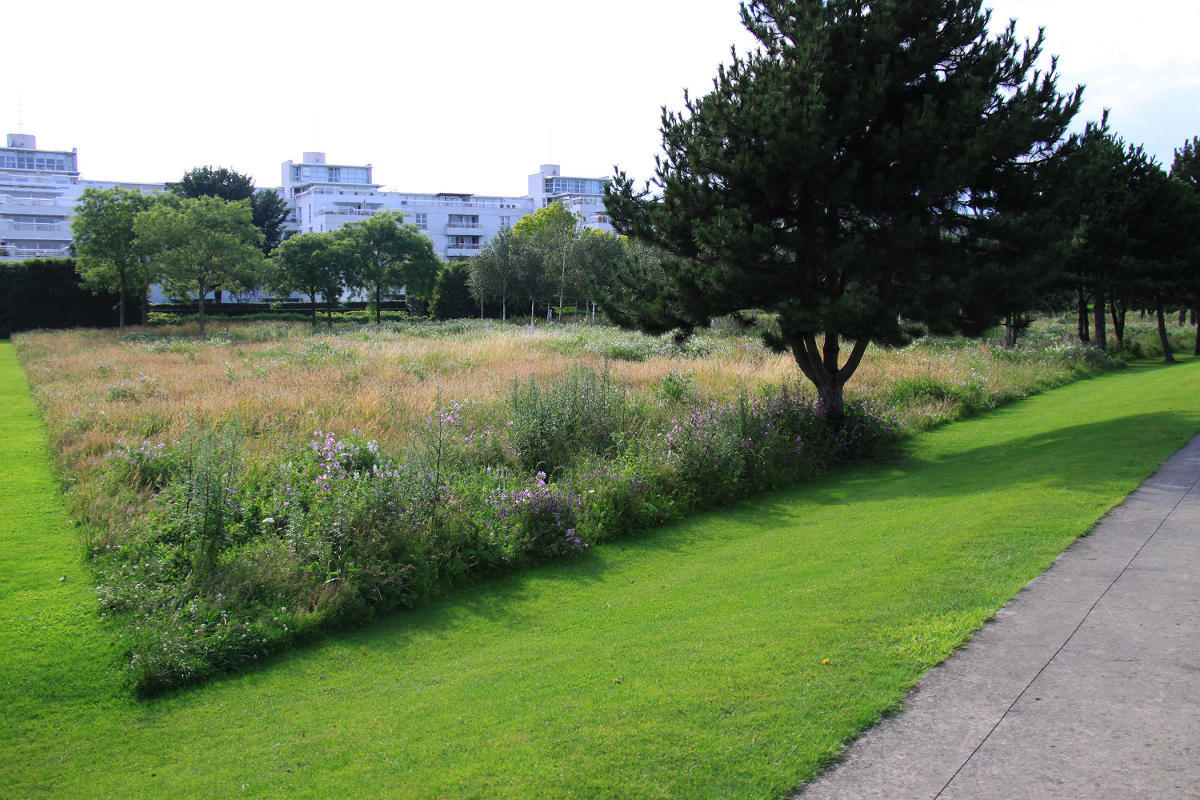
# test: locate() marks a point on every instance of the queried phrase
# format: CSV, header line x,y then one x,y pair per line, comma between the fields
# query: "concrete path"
x,y
1086,685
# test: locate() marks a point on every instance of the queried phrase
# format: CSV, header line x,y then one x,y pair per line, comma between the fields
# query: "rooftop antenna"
x,y
20,116
314,131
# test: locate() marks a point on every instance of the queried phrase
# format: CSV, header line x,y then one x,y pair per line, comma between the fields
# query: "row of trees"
x,y
213,231
198,236
878,165
547,256
378,256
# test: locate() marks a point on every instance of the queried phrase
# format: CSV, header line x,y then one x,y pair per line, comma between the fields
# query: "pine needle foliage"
x,y
831,176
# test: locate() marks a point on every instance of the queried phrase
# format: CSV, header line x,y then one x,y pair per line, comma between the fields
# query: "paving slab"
x,y
1086,685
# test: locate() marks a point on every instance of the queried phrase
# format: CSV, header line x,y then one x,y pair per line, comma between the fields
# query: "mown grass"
x,y
724,656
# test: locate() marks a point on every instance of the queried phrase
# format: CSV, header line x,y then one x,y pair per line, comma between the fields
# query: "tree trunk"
x,y
820,366
1118,308
562,282
1010,331
1182,316
531,304
121,314
1162,334
504,308
378,302
313,297
1098,322
145,307
1083,317
202,291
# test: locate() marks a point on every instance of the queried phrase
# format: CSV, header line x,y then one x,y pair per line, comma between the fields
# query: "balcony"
x,y
463,249
464,229
14,225
21,253
30,205
346,211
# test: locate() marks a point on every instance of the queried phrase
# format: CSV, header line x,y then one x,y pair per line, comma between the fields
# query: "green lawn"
x,y
689,663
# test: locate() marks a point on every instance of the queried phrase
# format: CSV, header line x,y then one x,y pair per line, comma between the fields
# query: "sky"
x,y
470,95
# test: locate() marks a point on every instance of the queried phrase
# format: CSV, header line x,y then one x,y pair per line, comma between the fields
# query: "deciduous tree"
x,y
268,209
198,244
385,255
552,230
309,263
104,244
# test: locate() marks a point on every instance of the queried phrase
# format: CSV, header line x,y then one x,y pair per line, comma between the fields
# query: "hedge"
x,y
45,293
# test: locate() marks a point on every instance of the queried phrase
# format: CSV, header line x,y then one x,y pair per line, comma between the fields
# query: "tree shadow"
x,y
1077,455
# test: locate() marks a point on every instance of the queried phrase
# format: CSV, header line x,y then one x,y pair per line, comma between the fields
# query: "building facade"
x,y
39,190
324,197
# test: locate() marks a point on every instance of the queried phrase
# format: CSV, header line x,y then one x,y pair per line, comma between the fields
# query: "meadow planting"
x,y
241,492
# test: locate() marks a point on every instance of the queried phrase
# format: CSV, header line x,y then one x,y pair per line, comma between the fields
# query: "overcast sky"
x,y
472,95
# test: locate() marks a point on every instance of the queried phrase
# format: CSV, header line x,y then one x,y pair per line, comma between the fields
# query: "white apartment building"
x,y
324,197
38,193
39,190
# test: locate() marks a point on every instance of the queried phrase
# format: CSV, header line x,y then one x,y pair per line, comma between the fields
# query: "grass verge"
x,y
725,656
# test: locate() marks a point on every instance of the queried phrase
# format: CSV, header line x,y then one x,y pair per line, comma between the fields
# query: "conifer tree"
x,y
1186,169
831,175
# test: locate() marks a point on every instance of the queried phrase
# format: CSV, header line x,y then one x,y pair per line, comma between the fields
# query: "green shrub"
x,y
677,387
583,413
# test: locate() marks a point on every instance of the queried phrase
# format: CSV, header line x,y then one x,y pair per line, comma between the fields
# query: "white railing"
x,y
472,202
32,201
33,252
464,246
348,212
32,226
366,192
463,226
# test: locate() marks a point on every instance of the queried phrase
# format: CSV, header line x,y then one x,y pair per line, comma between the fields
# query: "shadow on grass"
x,y
1078,455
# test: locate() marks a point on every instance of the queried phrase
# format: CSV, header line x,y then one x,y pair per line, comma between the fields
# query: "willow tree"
x,y
831,175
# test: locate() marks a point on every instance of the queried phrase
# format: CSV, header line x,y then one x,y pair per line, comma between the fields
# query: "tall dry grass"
x,y
281,382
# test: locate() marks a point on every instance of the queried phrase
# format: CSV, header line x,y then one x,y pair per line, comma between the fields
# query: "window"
x,y
421,220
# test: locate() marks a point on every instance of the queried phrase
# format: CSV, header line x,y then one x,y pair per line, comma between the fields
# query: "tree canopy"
x,y
382,255
311,264
198,244
831,176
268,209
104,243
551,230
221,182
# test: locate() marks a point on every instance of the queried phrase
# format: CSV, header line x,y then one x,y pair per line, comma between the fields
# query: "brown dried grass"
x,y
281,382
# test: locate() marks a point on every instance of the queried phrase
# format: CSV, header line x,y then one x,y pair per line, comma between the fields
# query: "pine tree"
x,y
1186,169
831,176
